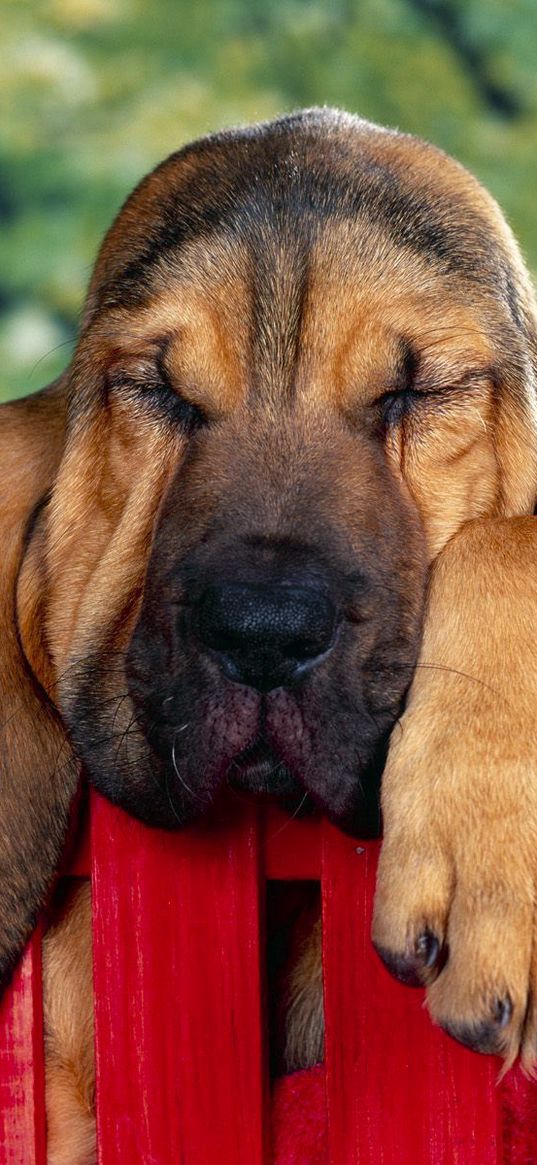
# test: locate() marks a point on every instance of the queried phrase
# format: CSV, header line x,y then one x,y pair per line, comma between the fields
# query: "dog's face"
x,y
304,365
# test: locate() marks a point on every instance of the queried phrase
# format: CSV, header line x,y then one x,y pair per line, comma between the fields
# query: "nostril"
x,y
301,649
266,628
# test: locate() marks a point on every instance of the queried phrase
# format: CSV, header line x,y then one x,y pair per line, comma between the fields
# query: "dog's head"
x,y
305,362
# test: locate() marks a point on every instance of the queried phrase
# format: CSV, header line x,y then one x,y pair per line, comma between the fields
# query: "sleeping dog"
x,y
280,501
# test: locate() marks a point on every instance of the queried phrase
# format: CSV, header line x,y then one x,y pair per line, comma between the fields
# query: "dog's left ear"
x,y
38,774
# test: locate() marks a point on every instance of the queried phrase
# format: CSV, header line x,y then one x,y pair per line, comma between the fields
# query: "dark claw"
x,y
503,1010
427,948
485,1036
419,967
401,967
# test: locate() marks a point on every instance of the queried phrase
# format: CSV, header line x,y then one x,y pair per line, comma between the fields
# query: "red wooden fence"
x,y
180,1040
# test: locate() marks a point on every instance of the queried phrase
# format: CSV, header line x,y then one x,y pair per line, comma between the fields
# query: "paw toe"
x,y
490,1034
419,965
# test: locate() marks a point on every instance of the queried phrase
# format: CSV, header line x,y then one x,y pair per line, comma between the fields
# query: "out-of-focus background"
x,y
96,92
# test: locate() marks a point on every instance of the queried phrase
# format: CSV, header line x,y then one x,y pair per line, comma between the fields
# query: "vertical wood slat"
x,y
22,1078
179,1035
178,1015
399,1091
291,848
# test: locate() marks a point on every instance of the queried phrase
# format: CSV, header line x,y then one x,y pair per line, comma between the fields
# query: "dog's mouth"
x,y
258,770
315,747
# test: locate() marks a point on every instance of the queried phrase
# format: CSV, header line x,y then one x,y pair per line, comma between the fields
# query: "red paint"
x,y
291,848
400,1092
181,1065
22,1081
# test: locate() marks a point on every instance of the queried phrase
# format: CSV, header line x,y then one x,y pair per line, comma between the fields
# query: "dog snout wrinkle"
x,y
266,635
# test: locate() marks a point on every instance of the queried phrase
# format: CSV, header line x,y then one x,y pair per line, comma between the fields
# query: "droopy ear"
x,y
37,772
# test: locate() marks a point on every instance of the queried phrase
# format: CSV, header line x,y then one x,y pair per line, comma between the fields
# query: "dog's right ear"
x,y
38,774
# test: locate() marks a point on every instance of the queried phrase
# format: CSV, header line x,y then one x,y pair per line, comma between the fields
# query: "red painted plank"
x,y
180,1058
22,1081
400,1092
291,848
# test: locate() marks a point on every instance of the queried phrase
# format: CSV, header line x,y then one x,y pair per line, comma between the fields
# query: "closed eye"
x,y
152,388
394,406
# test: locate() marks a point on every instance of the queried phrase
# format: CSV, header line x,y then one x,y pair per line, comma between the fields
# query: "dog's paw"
x,y
455,908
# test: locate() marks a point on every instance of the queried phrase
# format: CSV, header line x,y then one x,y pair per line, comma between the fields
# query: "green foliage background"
x,y
95,92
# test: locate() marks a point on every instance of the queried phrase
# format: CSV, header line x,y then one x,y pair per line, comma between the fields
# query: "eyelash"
x,y
159,394
396,405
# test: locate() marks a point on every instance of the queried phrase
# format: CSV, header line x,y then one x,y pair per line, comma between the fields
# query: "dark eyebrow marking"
x,y
287,178
409,220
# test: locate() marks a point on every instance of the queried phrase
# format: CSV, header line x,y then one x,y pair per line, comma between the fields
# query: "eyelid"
x,y
397,404
436,388
414,393
135,368
406,394
149,381
438,380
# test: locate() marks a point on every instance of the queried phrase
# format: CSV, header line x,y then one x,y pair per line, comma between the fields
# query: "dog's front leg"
x,y
456,897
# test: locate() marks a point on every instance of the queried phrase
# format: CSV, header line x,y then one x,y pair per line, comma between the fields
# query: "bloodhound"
x,y
336,317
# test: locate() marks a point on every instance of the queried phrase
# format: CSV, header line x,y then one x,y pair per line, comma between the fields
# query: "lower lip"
x,y
258,770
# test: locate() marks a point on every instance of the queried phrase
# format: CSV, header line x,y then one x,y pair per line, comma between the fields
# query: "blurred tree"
x,y
449,17
95,92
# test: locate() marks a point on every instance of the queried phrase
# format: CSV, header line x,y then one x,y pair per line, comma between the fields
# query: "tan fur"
x,y
459,789
304,1014
68,1015
34,811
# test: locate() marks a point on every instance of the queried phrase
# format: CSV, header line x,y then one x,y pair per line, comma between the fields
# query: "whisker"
x,y
180,820
50,352
290,818
177,773
456,671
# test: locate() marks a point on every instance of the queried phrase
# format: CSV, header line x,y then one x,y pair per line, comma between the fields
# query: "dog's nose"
x,y
266,635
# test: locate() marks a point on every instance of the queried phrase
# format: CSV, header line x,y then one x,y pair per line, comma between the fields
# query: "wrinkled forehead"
x,y
270,314
279,258
273,191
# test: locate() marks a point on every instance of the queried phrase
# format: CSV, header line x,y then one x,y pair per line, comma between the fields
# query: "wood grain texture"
x,y
179,1032
22,1081
400,1092
291,848
181,1062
